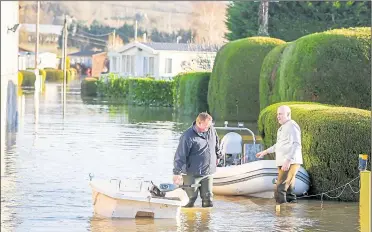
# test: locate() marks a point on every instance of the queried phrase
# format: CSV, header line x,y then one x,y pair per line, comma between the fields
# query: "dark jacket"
x,y
197,153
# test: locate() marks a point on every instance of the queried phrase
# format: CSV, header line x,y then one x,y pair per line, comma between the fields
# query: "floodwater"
x,y
46,166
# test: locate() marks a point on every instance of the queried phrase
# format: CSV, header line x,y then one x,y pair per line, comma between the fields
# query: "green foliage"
x,y
332,139
289,20
137,91
190,92
269,76
89,87
331,67
234,84
56,75
146,91
113,86
28,78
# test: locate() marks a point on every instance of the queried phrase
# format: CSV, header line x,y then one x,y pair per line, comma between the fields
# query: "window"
x,y
151,65
168,65
145,66
148,66
133,70
113,64
123,63
127,66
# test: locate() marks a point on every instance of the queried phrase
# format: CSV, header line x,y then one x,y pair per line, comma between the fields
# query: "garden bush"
x,y
190,92
56,75
332,139
89,86
234,83
28,79
332,67
137,91
146,91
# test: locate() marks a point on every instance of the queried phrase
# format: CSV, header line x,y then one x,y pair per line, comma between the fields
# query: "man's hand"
x,y
177,179
286,165
261,154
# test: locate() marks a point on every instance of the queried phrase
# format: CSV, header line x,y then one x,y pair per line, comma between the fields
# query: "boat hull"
x,y
256,179
111,202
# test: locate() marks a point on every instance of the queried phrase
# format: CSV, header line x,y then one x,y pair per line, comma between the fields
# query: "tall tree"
x,y
289,20
263,18
208,21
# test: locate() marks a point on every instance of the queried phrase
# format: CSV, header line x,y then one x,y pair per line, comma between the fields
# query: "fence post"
x,y
365,194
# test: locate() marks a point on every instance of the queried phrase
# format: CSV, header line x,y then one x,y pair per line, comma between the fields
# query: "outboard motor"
x,y
231,148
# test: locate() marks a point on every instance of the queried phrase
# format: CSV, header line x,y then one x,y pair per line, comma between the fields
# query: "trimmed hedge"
x,y
190,92
146,91
56,75
137,91
89,86
332,139
28,78
332,67
113,86
269,76
234,83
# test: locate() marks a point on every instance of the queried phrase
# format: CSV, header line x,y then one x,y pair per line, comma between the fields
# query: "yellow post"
x,y
364,199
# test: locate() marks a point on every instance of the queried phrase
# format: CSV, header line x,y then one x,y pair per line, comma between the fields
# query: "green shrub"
x,y
113,86
190,92
137,91
28,78
332,67
56,75
89,87
269,74
332,139
146,91
20,78
234,83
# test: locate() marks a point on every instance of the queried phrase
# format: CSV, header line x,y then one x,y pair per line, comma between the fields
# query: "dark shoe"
x,y
207,204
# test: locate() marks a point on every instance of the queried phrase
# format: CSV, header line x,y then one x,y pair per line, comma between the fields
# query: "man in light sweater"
x,y
288,155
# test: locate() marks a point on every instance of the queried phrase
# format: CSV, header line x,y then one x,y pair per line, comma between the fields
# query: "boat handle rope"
x,y
95,198
333,197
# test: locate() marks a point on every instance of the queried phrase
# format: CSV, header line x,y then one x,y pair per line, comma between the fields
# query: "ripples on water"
x,y
44,186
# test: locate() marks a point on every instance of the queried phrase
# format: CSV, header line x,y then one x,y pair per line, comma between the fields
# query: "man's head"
x,y
283,114
203,121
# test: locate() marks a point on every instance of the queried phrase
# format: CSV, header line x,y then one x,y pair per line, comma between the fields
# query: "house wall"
x,y
98,64
138,63
47,60
86,60
178,58
9,68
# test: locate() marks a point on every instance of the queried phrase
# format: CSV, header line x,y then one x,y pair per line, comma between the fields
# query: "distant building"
x,y
161,60
95,60
26,59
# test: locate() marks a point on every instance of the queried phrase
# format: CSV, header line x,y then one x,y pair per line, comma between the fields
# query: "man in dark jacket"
x,y
196,157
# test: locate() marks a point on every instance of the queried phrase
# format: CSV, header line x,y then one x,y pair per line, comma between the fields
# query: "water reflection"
x,y
195,220
141,224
